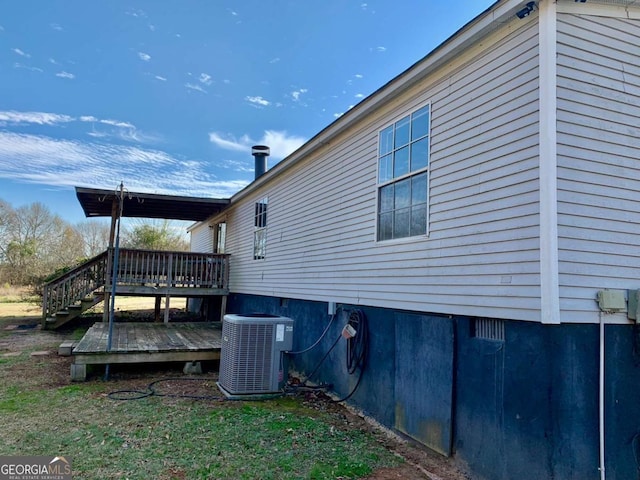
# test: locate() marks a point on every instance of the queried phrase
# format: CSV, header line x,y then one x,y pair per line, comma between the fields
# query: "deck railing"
x,y
172,269
153,268
71,287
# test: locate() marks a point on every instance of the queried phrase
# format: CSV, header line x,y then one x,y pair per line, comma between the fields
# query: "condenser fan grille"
x,y
251,359
246,362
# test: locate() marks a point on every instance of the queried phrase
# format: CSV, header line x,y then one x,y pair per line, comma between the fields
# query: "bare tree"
x,y
35,243
6,221
95,235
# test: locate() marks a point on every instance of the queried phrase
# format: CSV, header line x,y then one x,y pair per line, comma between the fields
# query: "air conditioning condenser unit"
x,y
251,357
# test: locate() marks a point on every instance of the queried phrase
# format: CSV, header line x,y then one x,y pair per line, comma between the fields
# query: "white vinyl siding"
x,y
598,160
201,238
481,257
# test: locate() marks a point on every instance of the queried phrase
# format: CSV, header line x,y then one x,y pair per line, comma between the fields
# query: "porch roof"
x,y
98,203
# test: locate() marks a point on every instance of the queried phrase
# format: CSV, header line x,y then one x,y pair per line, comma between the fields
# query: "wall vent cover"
x,y
488,329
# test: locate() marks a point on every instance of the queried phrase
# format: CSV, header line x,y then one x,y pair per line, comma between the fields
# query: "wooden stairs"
x,y
67,314
74,292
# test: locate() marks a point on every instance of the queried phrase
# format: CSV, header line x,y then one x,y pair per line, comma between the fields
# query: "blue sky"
x,y
168,97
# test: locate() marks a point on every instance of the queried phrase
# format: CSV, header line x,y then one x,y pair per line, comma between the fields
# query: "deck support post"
x,y
223,307
166,308
169,285
78,372
105,308
156,317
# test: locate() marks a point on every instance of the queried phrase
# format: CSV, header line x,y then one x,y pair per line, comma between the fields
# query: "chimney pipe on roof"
x,y
260,153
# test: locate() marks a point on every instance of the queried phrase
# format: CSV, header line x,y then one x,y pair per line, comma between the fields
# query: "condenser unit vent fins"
x,y
488,329
251,359
247,361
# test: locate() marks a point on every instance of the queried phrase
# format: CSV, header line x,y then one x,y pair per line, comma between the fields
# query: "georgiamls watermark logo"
x,y
35,468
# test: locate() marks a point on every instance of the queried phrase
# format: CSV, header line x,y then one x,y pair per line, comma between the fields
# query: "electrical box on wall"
x,y
611,301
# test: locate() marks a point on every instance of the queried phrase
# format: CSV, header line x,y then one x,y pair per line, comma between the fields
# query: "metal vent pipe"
x,y
260,153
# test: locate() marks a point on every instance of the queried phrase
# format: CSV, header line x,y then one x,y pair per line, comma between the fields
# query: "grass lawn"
x,y
166,437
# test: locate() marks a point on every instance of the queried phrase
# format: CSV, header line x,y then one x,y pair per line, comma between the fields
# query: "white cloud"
x,y
144,56
359,95
53,61
56,26
358,75
17,51
280,143
296,94
232,12
136,13
381,49
110,128
39,118
27,67
365,7
64,74
162,79
258,101
228,142
122,130
66,163
152,27
205,78
274,60
337,115
193,86
117,123
238,166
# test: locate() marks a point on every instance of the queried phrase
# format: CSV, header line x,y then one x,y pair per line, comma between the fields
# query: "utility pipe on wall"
x,y
603,475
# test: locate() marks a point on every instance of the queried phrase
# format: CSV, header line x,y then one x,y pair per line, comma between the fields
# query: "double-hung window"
x,y
403,182
260,230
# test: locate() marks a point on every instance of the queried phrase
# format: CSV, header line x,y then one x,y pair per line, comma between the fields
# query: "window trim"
x,y
219,234
380,184
260,222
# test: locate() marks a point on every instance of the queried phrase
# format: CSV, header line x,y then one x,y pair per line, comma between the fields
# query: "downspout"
x,y
601,424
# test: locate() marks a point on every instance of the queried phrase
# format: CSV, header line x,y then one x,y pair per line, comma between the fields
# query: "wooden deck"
x,y
146,343
155,273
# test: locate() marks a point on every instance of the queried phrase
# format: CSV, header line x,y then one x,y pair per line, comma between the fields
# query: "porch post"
x,y
107,284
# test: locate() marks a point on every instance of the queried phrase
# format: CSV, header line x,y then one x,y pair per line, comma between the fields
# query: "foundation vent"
x,y
488,329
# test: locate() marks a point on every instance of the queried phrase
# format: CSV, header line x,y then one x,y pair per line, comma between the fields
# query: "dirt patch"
x,y
22,335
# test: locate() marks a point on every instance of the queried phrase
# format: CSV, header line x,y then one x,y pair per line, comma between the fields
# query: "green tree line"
x,y
35,243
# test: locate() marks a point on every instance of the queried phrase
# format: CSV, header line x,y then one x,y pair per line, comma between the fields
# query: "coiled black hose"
x,y
357,351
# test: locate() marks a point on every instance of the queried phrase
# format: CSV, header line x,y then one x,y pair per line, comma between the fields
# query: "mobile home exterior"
x,y
473,208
